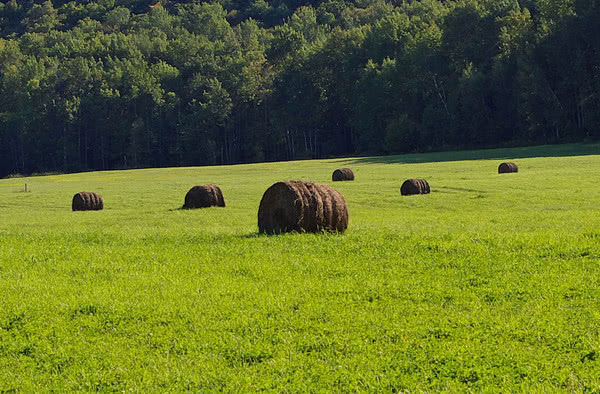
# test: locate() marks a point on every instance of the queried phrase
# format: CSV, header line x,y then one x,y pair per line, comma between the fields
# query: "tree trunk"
x,y
102,152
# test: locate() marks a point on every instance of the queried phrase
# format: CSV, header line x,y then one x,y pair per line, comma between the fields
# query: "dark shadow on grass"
x,y
564,150
256,234
189,209
251,235
458,189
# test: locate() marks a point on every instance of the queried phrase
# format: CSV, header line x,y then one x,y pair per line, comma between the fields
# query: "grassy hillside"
x,y
490,282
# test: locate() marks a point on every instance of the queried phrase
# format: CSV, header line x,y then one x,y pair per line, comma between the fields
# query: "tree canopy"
x,y
142,83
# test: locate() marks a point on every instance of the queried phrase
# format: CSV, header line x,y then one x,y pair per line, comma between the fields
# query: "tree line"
x,y
93,85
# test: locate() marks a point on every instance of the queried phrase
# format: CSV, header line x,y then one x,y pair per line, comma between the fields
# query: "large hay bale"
x,y
204,196
414,186
302,207
506,168
342,174
87,201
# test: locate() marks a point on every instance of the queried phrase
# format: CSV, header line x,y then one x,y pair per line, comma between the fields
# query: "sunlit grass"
x,y
488,283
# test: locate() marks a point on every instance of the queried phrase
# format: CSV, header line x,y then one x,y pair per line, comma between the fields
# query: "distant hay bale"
x,y
302,207
414,186
86,201
342,174
508,167
204,196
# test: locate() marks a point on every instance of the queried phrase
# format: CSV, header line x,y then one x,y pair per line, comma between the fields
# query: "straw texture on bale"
x,y
414,186
87,201
302,207
506,168
204,196
342,174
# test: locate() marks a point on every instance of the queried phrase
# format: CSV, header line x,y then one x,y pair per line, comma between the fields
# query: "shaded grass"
x,y
488,283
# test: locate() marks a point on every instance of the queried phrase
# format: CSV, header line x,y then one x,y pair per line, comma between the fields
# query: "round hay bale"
x,y
204,196
506,168
414,186
342,174
87,201
302,207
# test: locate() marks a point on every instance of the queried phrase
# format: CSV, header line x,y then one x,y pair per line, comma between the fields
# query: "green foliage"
x,y
116,83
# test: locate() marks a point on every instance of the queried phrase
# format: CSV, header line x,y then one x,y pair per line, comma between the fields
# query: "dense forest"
x,y
91,85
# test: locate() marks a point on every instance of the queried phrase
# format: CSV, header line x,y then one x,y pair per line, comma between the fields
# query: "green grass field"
x,y
490,283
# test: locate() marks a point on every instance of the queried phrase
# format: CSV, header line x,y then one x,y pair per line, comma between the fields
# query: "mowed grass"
x,y
490,283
